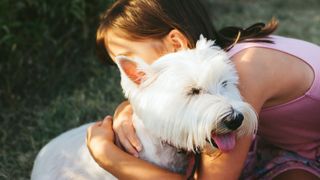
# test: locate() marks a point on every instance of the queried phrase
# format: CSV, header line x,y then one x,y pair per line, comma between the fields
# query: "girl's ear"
x,y
130,69
177,40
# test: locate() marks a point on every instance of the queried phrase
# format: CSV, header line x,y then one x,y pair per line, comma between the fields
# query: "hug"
x,y
245,101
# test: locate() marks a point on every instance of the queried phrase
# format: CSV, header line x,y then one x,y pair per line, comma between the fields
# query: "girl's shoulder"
x,y
254,79
269,77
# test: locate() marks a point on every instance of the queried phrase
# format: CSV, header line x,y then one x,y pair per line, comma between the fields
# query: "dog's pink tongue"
x,y
225,142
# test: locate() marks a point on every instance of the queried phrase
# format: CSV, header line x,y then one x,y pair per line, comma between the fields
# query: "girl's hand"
x,y
123,127
100,142
99,135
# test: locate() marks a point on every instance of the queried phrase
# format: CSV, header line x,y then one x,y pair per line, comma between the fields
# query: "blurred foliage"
x,y
45,41
51,79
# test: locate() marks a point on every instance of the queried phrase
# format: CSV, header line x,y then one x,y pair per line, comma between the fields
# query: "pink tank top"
x,y
295,125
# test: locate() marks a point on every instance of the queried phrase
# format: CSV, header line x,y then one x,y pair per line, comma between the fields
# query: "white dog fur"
x,y
181,99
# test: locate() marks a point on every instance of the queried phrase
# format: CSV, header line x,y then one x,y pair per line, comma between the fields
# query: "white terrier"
x,y
186,99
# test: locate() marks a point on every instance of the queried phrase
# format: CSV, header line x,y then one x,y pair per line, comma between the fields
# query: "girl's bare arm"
x,y
225,165
100,141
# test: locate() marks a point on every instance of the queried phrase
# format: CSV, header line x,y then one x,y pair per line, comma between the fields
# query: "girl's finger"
x,y
127,145
130,134
107,122
132,137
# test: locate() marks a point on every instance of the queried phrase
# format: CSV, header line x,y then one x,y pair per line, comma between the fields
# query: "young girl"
x,y
279,77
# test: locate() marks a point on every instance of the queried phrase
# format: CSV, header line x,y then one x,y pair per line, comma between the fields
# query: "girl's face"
x,y
118,43
148,49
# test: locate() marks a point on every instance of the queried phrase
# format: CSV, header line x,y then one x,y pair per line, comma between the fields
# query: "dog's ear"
x,y
131,69
204,43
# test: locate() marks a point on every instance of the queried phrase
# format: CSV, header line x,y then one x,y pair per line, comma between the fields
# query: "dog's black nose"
x,y
234,122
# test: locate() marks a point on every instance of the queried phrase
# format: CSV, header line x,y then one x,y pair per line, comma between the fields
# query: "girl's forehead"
x,y
118,35
115,41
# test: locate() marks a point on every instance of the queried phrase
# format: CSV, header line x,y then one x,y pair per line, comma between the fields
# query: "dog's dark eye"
x,y
194,91
224,83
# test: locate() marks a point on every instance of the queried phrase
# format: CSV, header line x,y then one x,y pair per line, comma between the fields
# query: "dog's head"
x,y
189,98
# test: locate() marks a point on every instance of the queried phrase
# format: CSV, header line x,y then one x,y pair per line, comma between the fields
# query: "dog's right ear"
x,y
204,43
131,69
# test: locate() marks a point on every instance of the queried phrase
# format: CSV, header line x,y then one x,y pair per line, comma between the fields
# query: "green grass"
x,y
51,80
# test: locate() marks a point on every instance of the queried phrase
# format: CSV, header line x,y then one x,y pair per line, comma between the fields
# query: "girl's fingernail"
x,y
136,155
139,148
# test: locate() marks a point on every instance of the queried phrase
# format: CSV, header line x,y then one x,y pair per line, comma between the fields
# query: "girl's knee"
x,y
296,174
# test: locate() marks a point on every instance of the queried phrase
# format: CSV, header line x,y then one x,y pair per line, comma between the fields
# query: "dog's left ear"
x,y
131,69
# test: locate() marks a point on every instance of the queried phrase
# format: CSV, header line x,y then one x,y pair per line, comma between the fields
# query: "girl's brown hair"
x,y
142,19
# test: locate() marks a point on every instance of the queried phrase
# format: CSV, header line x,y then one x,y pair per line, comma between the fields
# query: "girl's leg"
x,y
269,162
296,174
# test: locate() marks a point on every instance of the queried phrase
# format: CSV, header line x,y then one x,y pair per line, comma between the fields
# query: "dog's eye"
x,y
224,83
194,91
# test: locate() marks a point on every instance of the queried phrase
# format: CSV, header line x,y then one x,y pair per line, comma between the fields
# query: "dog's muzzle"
x,y
225,141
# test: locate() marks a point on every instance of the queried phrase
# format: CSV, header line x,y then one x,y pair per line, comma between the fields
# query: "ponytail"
x,y
227,37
